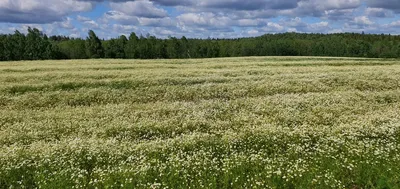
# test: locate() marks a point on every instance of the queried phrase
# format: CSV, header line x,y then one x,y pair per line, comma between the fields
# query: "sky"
x,y
199,18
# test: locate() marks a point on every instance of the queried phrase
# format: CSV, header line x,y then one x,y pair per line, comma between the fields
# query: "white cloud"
x,y
318,27
82,18
202,18
158,22
395,24
362,20
378,12
273,27
250,22
206,20
386,4
140,8
320,8
253,32
121,18
40,11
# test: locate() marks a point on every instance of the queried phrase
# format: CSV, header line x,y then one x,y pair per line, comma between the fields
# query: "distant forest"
x,y
37,46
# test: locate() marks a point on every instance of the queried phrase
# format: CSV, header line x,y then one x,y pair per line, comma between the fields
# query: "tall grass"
x,y
263,122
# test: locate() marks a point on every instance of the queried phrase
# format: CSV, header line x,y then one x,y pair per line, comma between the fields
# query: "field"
x,y
264,122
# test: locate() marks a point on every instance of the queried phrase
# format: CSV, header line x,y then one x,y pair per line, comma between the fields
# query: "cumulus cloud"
x,y
386,4
339,14
201,18
251,22
318,27
362,20
204,20
121,18
157,22
395,24
40,11
295,23
160,2
378,12
320,8
218,20
82,18
361,24
140,9
66,24
248,5
220,4
253,32
298,25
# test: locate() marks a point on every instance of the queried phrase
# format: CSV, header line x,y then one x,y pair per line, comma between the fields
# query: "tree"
x,y
130,47
53,52
173,47
120,46
109,48
37,45
142,48
184,48
160,49
14,46
2,41
73,49
94,48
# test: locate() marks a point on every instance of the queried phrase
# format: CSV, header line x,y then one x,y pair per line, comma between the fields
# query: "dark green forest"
x,y
37,46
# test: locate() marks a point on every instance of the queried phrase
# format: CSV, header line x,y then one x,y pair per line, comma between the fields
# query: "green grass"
x,y
262,122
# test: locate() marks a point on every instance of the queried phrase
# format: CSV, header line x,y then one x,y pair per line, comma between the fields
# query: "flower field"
x,y
262,122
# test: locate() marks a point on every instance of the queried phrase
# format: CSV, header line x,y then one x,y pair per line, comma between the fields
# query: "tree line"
x,y
35,45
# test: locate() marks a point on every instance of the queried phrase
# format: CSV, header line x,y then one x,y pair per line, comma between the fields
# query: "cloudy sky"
x,y
199,18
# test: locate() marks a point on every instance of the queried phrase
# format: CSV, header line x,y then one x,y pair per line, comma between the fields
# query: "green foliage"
x,y
35,46
173,47
14,46
131,46
73,49
94,48
2,50
115,48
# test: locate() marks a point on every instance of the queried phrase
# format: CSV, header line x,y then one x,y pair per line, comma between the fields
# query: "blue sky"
x,y
199,18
